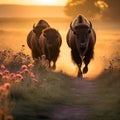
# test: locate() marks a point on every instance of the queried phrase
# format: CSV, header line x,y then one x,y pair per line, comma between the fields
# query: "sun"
x,y
51,2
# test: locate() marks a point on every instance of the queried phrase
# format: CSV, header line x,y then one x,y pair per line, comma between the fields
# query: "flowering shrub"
x,y
13,61
18,78
114,62
15,68
5,106
41,64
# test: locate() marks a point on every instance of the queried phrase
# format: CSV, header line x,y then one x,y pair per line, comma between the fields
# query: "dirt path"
x,y
76,112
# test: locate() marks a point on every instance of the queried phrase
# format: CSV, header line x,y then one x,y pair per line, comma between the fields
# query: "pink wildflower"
x,y
32,75
19,76
13,76
30,65
35,80
2,66
6,72
26,71
24,67
2,89
7,85
1,74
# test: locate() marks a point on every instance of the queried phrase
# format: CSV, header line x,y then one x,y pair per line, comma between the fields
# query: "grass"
x,y
103,103
40,92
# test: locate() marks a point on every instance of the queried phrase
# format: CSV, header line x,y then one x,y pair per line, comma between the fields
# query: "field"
x,y
13,33
58,95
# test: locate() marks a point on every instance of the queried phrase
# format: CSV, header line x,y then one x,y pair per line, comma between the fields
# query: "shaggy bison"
x,y
33,38
50,41
81,38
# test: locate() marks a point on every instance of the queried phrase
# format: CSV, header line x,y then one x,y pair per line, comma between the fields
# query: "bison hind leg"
x,y
54,66
80,75
85,69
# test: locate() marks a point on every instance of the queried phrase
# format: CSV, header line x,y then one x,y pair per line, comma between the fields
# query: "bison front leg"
x,y
35,54
76,58
87,61
54,66
79,71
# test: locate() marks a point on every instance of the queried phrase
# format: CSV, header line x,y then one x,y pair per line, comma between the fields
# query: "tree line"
x,y
94,9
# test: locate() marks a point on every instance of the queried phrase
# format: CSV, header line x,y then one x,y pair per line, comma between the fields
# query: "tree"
x,y
94,9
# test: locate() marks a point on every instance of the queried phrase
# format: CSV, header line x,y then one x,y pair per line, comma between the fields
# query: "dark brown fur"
x,y
50,42
81,39
33,38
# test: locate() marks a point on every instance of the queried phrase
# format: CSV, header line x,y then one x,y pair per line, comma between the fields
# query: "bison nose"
x,y
82,45
49,45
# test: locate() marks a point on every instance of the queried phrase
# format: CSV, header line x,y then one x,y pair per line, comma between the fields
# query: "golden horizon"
x,y
36,2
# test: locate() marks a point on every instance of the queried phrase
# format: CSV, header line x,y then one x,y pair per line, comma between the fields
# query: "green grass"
x,y
54,89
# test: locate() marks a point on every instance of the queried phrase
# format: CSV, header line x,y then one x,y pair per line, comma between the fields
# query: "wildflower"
x,y
2,66
6,77
32,75
35,80
6,72
2,89
24,67
13,76
7,85
1,74
30,65
25,71
19,76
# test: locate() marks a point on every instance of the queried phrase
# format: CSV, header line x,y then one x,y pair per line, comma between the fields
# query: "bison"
x,y
50,41
33,38
81,38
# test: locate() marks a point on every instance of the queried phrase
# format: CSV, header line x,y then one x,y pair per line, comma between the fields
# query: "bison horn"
x,y
34,25
71,27
90,25
44,34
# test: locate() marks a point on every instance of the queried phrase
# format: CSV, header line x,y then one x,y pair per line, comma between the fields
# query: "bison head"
x,y
81,33
38,30
42,24
52,37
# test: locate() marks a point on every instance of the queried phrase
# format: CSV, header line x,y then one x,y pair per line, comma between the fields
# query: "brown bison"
x,y
50,41
81,38
33,38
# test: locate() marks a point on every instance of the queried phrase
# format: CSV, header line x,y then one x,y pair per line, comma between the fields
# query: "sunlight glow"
x,y
101,4
35,2
51,2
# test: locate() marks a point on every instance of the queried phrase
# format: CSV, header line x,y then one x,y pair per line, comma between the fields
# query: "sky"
x,y
35,2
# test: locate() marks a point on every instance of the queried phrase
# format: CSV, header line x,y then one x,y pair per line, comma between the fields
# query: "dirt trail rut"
x,y
77,112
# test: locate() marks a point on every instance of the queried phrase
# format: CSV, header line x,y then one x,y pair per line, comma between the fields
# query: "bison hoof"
x,y
54,67
85,70
80,75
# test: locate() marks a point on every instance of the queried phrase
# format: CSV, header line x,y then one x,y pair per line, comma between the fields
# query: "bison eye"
x,y
89,31
74,32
